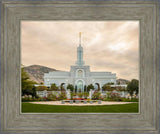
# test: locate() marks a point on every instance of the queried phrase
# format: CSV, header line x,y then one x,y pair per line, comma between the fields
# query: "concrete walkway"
x,y
81,104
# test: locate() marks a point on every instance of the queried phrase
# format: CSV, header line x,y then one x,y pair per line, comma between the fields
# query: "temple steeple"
x,y
80,39
80,61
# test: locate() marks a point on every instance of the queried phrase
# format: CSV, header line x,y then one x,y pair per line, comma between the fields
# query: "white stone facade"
x,y
79,75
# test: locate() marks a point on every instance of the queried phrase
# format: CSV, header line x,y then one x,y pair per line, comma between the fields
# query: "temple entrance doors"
x,y
80,86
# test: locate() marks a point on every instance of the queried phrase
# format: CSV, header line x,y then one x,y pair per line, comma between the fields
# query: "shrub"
x,y
41,88
119,88
115,97
51,97
80,95
72,94
34,99
49,89
107,87
105,99
86,94
40,99
96,96
112,96
28,99
53,87
45,98
130,100
88,100
24,99
62,96
134,100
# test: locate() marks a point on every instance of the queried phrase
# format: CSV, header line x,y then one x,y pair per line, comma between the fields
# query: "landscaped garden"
x,y
110,96
108,99
44,107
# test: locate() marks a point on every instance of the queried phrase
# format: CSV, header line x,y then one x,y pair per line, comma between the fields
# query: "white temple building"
x,y
79,75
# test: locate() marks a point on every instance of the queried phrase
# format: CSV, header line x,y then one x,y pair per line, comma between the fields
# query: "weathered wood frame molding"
x,y
146,12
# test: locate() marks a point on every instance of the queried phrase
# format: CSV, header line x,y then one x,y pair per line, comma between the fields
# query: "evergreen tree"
x,y
70,86
34,94
90,87
75,89
85,88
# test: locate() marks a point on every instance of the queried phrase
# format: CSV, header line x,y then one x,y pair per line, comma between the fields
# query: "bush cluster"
x,y
27,99
83,95
62,96
122,99
50,97
96,96
112,96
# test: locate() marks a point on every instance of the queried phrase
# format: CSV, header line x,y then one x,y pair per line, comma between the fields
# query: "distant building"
x,y
79,75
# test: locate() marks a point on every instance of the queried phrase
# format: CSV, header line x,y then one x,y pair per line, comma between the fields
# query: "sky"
x,y
111,46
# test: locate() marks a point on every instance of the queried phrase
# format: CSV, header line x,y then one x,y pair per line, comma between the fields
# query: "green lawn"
x,y
41,108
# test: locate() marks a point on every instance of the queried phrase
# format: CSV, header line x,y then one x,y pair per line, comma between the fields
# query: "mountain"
x,y
36,72
122,81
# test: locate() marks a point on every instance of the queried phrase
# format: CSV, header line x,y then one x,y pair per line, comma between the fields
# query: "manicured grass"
x,y
41,108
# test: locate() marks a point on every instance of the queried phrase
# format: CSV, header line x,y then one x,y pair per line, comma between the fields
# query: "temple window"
x,y
80,73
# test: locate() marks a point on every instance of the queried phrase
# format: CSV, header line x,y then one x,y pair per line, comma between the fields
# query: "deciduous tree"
x,y
27,85
54,87
133,86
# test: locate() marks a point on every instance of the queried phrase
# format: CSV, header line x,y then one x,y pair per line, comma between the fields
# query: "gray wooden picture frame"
x,y
146,121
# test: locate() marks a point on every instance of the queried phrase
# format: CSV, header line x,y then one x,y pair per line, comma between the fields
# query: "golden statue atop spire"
x,y
80,61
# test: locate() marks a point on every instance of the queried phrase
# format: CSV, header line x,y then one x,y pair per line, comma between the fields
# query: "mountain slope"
x,y
36,72
122,81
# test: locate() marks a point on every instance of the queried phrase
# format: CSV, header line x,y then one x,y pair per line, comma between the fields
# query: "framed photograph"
x,y
80,66
79,83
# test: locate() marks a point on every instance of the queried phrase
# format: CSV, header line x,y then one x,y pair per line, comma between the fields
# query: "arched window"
x,y
80,73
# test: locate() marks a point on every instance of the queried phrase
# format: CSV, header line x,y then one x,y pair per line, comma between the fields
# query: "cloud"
x,y
107,45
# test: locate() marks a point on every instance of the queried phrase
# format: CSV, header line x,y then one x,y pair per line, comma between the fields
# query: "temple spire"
x,y
80,61
79,38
